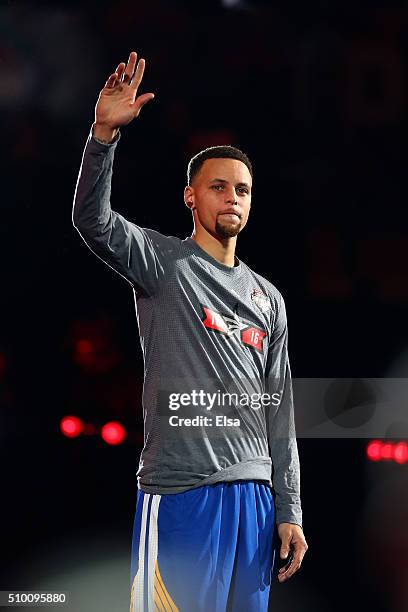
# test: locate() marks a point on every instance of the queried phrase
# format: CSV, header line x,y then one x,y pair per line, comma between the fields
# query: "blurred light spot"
x,y
71,426
113,433
232,4
401,452
374,450
378,450
84,347
386,451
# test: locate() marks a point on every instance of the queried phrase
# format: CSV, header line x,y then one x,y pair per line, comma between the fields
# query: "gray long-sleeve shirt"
x,y
214,338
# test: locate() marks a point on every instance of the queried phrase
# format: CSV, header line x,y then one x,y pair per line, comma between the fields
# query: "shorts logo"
x,y
261,300
234,326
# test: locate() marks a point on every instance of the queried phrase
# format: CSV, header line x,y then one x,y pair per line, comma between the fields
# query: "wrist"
x,y
104,132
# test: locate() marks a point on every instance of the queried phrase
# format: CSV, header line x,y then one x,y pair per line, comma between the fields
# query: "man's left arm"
x,y
283,447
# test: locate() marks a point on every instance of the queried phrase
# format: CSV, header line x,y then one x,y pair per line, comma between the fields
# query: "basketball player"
x,y
218,478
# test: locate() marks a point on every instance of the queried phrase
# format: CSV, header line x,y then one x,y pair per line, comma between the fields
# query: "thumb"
x,y
284,551
141,101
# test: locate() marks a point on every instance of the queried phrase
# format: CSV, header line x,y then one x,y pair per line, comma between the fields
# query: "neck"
x,y
222,249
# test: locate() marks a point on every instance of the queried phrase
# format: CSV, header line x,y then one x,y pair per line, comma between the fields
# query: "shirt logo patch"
x,y
234,326
261,300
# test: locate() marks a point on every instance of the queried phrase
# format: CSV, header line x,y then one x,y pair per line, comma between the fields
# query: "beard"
x,y
227,230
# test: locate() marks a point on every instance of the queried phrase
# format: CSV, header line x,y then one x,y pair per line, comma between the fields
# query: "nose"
x,y
231,197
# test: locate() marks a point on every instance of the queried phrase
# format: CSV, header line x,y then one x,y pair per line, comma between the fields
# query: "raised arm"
x,y
133,252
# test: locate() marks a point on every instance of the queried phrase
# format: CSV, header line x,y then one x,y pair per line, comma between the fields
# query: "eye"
x,y
244,189
216,187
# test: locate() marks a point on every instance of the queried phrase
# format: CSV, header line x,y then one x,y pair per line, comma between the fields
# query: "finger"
x,y
287,572
137,77
130,68
141,101
111,80
120,69
284,550
287,565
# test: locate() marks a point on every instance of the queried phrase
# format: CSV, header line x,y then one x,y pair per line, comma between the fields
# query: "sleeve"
x,y
281,425
137,254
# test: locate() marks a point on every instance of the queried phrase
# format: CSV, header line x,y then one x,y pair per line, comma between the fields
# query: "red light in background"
x,y
113,433
378,450
84,347
374,450
387,451
401,452
71,426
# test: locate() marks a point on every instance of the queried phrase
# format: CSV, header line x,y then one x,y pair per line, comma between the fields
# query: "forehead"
x,y
233,170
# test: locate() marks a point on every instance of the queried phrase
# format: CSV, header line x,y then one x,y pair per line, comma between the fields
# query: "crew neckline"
x,y
233,271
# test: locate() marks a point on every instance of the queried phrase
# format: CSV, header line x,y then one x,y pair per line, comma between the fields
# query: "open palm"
x,y
117,104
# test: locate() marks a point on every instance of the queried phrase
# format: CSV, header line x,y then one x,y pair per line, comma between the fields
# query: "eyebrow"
x,y
220,180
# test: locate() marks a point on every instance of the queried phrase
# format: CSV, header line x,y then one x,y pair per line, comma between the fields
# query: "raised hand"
x,y
117,104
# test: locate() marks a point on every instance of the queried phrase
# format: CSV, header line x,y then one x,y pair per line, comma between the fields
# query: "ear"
x,y
189,197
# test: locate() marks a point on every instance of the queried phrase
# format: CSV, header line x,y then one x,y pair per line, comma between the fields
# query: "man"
x,y
214,341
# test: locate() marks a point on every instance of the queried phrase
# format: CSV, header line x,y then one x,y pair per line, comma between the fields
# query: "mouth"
x,y
231,214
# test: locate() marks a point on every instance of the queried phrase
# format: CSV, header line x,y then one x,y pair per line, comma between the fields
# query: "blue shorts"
x,y
208,549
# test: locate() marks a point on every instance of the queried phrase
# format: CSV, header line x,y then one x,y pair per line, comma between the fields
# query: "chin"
x,y
227,231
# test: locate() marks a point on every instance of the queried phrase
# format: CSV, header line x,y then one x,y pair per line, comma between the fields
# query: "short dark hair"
x,y
196,162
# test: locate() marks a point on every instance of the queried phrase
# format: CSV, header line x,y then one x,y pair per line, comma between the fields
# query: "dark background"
x,y
316,95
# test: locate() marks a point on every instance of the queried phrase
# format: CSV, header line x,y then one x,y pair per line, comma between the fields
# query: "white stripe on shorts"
x,y
136,601
152,550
